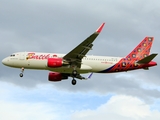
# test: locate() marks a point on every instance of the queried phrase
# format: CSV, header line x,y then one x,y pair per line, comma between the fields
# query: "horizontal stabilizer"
x,y
147,59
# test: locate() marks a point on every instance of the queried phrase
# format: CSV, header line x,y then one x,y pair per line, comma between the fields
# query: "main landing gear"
x,y
22,70
74,82
74,74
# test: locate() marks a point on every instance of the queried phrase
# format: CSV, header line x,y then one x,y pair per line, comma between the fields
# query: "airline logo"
x,y
39,56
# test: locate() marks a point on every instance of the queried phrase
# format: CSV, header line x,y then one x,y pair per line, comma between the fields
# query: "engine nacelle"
x,y
56,76
55,62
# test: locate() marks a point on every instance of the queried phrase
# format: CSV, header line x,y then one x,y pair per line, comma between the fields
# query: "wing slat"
x,y
82,49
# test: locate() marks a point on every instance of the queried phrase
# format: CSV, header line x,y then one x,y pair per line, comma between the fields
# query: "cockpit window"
x,y
12,55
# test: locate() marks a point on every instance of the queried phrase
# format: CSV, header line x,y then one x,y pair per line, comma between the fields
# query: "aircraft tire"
x,y
21,74
74,82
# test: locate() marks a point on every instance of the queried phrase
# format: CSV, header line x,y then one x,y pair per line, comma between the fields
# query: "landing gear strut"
x,y
74,82
22,70
74,73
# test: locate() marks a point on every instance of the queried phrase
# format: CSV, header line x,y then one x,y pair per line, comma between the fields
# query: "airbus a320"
x,y
77,62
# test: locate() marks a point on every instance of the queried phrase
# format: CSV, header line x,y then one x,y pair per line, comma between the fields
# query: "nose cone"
x,y
4,61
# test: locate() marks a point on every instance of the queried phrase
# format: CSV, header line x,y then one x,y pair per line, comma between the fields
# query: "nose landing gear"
x,y
21,74
22,70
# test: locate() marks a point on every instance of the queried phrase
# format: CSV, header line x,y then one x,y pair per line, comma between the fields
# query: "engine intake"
x,y
56,76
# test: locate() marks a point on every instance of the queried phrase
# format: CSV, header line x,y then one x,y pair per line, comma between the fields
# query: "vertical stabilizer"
x,y
142,50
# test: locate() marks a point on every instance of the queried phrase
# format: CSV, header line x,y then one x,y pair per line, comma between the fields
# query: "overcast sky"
x,y
58,26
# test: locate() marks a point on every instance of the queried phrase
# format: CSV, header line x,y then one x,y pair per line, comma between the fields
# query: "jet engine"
x,y
55,62
55,76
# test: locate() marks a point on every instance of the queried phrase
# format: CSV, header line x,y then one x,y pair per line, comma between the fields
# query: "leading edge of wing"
x,y
82,49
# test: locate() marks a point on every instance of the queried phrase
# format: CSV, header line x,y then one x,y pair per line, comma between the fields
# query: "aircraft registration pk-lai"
x,y
76,62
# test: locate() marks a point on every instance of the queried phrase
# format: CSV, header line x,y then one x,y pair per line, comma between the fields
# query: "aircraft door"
x,y
22,56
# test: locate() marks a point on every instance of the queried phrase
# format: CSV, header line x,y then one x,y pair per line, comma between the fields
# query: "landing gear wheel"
x,y
74,73
22,70
21,74
74,82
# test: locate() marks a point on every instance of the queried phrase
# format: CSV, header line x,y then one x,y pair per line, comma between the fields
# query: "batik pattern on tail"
x,y
142,50
129,62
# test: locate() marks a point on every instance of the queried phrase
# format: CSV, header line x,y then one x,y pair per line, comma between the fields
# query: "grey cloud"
x,y
104,84
58,26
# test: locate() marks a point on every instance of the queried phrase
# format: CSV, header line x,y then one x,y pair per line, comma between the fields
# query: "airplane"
x,y
76,62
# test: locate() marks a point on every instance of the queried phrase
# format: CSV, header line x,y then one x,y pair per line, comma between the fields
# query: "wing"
x,y
75,56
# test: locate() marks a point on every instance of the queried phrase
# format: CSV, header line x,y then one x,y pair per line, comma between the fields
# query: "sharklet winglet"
x,y
100,28
90,75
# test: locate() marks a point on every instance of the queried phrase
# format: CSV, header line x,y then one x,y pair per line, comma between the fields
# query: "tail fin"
x,y
142,50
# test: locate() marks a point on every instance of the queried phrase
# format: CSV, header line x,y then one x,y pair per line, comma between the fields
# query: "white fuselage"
x,y
37,60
